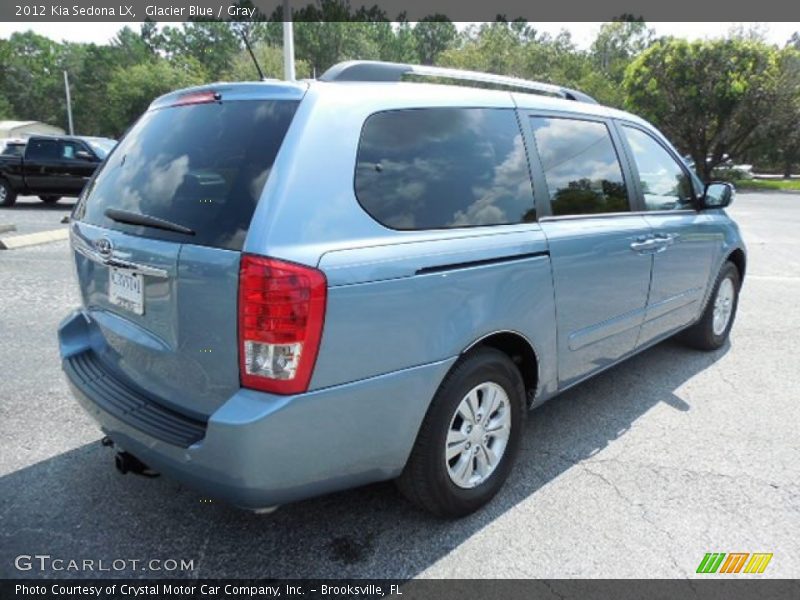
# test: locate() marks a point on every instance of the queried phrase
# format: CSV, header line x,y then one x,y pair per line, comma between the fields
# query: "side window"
x,y
68,150
580,165
42,150
443,167
665,185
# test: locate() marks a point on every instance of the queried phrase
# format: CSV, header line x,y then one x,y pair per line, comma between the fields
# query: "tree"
x,y
6,112
31,79
132,48
516,48
779,142
131,89
397,43
491,48
270,59
328,32
211,44
709,97
557,60
617,43
433,35
323,44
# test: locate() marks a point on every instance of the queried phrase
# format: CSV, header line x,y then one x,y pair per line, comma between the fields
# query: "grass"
x,y
769,184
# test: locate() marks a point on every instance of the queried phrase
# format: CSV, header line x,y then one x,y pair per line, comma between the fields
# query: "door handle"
x,y
664,241
666,238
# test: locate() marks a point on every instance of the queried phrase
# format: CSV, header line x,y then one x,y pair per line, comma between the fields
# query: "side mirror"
x,y
84,155
718,195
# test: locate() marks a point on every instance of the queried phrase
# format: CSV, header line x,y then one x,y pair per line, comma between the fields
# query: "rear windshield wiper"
x,y
132,218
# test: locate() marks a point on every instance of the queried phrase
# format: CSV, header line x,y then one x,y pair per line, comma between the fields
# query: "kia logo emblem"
x,y
104,246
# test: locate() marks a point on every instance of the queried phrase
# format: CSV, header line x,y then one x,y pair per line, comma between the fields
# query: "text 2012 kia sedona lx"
x,y
294,288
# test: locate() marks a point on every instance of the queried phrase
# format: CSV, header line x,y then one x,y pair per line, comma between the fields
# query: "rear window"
x,y
200,166
438,168
14,150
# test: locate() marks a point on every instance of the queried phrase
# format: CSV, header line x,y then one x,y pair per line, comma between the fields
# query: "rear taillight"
x,y
281,313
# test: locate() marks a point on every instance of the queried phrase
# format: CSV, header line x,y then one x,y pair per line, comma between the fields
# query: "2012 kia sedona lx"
x,y
294,288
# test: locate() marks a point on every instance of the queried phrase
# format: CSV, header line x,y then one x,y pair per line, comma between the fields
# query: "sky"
x,y
582,33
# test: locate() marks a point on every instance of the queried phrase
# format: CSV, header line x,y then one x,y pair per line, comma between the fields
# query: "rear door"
x,y
158,236
600,251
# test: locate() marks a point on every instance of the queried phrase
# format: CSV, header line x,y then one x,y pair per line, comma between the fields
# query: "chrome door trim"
x,y
639,213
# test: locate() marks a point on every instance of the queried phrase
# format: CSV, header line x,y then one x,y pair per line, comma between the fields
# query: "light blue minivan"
x,y
291,288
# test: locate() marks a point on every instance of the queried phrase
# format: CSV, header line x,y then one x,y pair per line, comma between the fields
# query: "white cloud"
x,y
99,33
510,180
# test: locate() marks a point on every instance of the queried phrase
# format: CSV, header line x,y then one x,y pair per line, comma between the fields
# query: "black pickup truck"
x,y
51,167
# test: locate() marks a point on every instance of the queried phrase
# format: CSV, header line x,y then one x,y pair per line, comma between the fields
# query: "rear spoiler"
x,y
271,89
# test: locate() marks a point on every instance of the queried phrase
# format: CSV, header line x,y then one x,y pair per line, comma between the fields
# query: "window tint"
x,y
664,184
202,166
68,149
580,165
444,167
42,149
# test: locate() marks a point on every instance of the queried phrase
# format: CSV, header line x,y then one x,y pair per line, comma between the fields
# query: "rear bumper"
x,y
261,450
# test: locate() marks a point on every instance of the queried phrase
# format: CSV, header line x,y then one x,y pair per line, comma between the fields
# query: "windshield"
x,y
101,147
200,166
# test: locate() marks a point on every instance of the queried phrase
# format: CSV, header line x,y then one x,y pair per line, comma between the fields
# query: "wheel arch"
x,y
739,259
520,350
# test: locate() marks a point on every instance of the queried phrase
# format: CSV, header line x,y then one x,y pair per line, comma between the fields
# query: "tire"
x,y
706,334
49,199
426,480
7,195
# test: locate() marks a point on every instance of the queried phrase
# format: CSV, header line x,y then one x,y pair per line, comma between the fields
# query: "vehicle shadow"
x,y
76,506
64,205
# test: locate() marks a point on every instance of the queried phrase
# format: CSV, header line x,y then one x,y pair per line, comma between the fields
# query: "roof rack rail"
x,y
369,70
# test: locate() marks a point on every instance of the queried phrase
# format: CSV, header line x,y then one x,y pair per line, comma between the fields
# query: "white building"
x,y
24,129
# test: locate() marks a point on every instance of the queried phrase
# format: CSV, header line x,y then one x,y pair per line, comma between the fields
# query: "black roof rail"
x,y
369,70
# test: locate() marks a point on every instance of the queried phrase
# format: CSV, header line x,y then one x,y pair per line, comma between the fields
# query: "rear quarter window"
x,y
443,168
202,166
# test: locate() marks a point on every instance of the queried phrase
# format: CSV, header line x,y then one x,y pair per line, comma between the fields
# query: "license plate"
x,y
126,289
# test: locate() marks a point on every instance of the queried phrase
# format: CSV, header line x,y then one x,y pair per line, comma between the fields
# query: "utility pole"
x,y
69,103
288,43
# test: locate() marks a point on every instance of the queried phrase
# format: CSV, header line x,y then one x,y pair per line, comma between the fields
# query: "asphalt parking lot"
x,y
637,473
